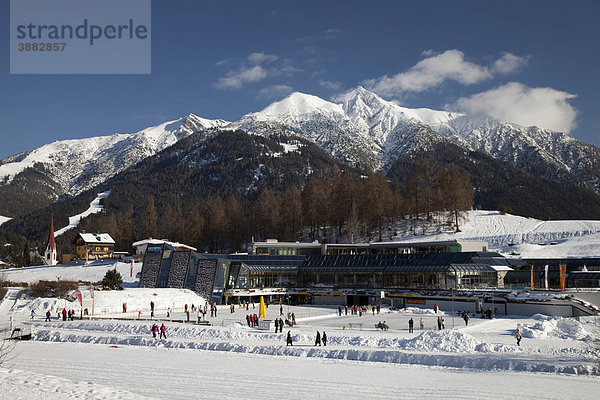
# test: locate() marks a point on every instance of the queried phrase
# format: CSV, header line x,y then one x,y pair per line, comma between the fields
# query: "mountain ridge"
x,y
358,127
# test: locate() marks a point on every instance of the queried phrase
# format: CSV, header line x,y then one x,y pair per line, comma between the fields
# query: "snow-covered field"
x,y
115,356
529,237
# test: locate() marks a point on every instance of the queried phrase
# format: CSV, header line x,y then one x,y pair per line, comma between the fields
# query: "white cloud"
x,y
236,79
509,63
332,33
437,68
255,67
514,102
275,91
260,58
430,72
332,85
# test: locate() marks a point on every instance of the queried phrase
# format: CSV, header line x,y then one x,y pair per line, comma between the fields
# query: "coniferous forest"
x,y
218,192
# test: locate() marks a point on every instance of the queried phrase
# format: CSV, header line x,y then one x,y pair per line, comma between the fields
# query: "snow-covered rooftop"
x,y
99,238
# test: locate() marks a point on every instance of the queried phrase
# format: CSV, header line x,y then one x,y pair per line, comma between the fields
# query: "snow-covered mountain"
x,y
79,164
368,131
358,127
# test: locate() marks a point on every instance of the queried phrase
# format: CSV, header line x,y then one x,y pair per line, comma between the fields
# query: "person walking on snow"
x,y
421,324
518,337
289,339
324,338
163,331
47,316
32,313
410,325
154,330
466,318
318,339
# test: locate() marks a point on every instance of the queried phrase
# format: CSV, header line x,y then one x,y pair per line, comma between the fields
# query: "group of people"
x,y
155,331
278,325
383,326
67,315
252,320
321,338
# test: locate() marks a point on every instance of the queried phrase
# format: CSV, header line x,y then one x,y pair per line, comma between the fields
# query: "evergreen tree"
x,y
112,279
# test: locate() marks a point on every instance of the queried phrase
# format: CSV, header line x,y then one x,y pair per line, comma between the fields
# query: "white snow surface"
x,y
529,237
95,207
115,356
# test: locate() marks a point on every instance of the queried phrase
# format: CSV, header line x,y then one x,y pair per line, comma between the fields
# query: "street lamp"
x,y
452,295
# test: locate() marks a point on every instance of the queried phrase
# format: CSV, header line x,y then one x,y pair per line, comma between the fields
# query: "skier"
x,y
410,325
318,339
518,337
289,339
324,338
163,330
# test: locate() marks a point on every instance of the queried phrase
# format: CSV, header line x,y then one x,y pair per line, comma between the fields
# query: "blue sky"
x,y
522,61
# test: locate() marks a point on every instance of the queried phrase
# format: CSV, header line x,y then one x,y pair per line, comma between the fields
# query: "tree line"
x,y
341,207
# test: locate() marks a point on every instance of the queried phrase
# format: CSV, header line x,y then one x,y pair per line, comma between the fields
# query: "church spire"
x,y
50,254
51,242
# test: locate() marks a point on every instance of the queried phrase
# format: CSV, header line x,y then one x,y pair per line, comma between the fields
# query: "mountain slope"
x,y
185,176
369,132
360,129
70,167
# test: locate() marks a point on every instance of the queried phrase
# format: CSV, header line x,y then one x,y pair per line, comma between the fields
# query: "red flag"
x,y
77,294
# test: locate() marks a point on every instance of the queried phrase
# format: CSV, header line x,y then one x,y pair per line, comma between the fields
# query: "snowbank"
x,y
18,384
555,327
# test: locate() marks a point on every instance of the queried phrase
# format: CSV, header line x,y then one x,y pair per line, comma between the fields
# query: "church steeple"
x,y
51,242
50,254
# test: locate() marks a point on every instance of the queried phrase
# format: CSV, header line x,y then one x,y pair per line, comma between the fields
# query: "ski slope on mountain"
x,y
530,237
95,207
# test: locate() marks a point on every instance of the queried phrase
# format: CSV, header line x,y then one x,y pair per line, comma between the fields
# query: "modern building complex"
x,y
276,248
335,273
